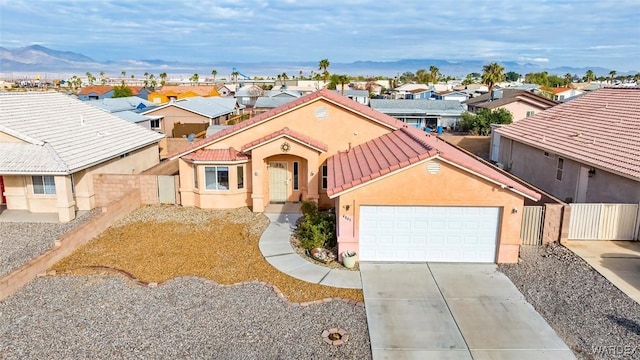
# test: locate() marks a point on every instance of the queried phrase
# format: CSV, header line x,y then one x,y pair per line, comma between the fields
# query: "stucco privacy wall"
x,y
338,128
451,186
110,187
75,238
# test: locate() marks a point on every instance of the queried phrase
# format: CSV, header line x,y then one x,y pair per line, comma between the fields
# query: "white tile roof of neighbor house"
x,y
206,106
599,129
62,135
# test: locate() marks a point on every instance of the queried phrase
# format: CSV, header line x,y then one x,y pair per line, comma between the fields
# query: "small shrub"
x,y
317,228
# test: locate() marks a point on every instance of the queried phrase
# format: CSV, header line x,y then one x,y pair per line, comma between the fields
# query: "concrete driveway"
x,y
452,311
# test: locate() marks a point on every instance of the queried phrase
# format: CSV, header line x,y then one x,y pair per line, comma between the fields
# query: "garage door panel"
x,y
428,233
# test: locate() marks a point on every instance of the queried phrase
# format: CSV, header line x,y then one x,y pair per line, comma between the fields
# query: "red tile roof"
x,y
599,129
229,154
325,93
560,89
294,135
97,89
399,149
136,89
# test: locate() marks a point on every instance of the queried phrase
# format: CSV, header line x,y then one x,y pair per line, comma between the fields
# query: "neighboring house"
x,y
399,194
49,167
95,92
422,114
360,96
564,94
226,89
520,103
264,103
585,150
129,108
419,94
247,95
140,91
197,113
402,91
452,95
179,92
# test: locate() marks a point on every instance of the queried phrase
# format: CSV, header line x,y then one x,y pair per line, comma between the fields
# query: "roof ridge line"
x,y
415,137
57,157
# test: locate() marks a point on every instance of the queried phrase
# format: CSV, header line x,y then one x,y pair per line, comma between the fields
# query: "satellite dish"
x,y
191,137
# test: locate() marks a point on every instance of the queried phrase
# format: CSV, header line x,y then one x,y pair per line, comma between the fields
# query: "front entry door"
x,y
278,184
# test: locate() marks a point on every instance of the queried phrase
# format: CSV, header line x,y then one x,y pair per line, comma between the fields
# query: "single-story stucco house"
x,y
399,194
52,145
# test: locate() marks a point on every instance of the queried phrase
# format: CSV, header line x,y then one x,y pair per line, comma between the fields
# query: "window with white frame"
x,y
325,176
240,175
216,177
44,185
155,123
296,175
560,169
530,113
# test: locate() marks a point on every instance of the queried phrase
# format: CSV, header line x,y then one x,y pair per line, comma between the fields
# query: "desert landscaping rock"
x,y
110,317
593,317
21,242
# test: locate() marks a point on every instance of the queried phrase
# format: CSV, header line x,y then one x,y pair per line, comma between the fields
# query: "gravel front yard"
x,y
21,242
593,317
160,243
109,317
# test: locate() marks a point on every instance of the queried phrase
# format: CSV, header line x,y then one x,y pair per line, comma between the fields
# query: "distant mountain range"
x,y
39,59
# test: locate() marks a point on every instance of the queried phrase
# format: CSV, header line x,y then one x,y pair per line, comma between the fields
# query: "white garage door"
x,y
428,233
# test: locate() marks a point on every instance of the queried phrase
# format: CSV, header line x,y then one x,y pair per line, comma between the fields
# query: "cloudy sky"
x,y
550,32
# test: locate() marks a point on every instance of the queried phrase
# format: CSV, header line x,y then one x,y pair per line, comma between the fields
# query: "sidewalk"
x,y
276,249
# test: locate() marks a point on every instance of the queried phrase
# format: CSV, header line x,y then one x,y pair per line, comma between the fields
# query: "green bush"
x,y
317,228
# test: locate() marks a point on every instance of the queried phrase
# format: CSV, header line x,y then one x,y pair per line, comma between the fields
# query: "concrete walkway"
x,y
617,261
452,311
277,250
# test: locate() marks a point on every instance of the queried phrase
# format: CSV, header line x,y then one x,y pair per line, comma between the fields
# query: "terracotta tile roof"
x,y
136,89
97,89
229,154
325,93
509,96
600,129
286,132
560,89
399,149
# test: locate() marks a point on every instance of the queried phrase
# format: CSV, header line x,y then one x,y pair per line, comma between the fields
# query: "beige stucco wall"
x,y
450,187
20,196
519,109
340,130
214,199
173,115
531,165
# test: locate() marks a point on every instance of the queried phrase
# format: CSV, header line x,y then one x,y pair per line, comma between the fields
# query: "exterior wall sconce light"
x,y
313,173
256,173
514,210
346,207
592,171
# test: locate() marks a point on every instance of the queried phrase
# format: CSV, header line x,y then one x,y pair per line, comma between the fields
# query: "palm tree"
x,y
90,78
492,74
283,77
612,75
590,76
103,79
343,79
146,79
323,65
422,76
568,79
194,78
234,75
435,73
214,72
163,78
154,83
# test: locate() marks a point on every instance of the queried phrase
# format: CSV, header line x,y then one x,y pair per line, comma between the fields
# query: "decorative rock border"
x,y
154,285
335,336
